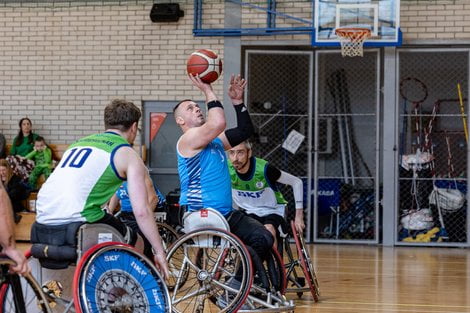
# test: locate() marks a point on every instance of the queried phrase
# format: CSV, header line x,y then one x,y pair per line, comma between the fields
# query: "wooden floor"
x,y
389,279
356,278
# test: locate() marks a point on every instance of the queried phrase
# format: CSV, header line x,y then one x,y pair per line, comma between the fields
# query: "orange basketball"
x,y
206,63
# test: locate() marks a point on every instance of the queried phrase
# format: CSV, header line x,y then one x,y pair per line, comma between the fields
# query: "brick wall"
x,y
437,19
421,20
61,64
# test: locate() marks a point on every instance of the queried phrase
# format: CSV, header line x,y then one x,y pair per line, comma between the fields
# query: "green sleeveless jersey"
x,y
82,182
256,195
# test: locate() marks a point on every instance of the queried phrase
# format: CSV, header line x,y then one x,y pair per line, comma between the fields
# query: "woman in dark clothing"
x,y
16,189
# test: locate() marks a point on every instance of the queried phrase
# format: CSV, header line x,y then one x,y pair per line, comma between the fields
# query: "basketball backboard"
x,y
382,17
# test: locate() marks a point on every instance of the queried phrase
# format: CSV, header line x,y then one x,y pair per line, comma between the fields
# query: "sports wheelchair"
x,y
298,284
109,275
211,270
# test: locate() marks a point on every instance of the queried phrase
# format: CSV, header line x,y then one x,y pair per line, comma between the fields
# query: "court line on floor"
x,y
398,304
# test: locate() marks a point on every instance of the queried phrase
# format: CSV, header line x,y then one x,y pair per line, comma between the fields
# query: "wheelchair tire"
x,y
210,270
306,264
276,271
297,282
114,277
20,294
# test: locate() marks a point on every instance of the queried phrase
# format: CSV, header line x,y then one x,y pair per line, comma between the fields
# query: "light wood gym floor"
x,y
389,279
356,278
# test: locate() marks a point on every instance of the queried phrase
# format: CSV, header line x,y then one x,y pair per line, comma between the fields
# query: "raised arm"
x,y
243,131
197,133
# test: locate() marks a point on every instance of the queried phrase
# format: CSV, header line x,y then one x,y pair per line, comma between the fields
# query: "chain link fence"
x,y
433,146
345,128
279,100
347,100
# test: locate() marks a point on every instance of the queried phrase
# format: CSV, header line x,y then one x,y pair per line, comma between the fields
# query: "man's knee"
x,y
262,241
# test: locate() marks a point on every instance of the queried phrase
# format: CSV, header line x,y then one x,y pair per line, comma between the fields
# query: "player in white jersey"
x,y
90,172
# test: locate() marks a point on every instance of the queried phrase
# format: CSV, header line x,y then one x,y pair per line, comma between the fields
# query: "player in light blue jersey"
x,y
202,163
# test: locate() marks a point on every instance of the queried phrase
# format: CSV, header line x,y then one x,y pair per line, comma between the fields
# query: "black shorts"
x,y
273,219
120,226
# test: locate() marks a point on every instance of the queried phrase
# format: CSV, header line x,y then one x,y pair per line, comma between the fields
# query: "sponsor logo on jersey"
x,y
250,194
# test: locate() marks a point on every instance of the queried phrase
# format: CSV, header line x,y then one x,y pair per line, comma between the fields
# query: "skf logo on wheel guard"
x,y
111,258
250,194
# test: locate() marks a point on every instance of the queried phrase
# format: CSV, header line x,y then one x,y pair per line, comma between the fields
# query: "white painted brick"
x,y
62,66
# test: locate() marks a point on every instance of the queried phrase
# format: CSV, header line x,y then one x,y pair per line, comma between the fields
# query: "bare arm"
x,y
196,138
7,239
134,169
113,204
152,197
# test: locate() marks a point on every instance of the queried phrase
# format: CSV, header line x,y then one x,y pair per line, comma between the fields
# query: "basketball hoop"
x,y
352,40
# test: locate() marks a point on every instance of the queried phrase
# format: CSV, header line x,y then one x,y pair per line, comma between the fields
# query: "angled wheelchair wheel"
x,y
113,277
306,264
295,281
168,234
210,271
20,294
276,272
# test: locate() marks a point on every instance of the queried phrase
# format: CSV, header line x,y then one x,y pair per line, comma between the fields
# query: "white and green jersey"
x,y
256,195
82,182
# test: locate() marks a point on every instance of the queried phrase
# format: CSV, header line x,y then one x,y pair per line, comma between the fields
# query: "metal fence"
x,y
432,182
347,99
339,122
279,98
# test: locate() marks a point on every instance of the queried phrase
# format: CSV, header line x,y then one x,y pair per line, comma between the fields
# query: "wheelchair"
x,y
211,270
307,283
109,275
21,294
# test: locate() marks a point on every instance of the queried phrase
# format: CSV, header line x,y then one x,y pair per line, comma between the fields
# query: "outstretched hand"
x,y
236,89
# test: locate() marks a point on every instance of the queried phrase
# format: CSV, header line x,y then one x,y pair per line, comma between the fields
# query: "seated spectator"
x,y
23,144
16,189
42,157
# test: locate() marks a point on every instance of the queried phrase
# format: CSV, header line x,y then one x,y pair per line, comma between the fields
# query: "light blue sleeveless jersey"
x,y
126,206
205,180
123,196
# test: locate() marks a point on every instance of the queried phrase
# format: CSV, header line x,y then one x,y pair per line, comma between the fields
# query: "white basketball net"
x,y
352,40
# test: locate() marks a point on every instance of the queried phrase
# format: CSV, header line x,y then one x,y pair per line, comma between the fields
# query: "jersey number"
x,y
77,157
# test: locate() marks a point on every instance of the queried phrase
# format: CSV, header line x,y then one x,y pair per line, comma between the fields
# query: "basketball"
x,y
206,63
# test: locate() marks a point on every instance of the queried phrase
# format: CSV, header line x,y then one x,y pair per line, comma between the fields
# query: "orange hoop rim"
x,y
353,32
